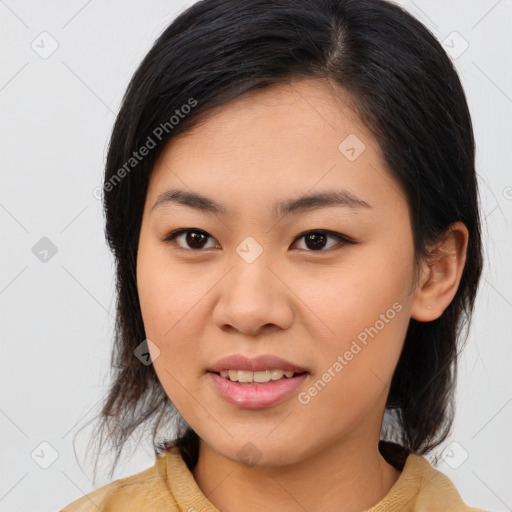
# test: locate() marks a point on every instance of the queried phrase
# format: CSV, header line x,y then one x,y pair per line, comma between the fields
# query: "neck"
x,y
347,476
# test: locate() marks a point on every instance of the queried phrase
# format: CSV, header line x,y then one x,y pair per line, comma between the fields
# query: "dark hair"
x,y
406,91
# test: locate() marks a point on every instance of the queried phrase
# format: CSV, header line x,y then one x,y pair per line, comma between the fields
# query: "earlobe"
x,y
440,274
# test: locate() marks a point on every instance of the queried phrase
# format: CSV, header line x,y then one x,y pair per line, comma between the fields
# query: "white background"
x,y
57,317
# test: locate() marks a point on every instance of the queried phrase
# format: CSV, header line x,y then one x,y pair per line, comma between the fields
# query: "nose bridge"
x,y
251,296
250,273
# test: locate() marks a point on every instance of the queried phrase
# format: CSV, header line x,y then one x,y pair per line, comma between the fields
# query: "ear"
x,y
440,274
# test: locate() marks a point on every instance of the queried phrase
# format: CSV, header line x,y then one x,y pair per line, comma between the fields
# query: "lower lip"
x,y
257,396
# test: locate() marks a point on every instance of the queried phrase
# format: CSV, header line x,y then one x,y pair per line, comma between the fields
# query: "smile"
x,y
259,376
253,394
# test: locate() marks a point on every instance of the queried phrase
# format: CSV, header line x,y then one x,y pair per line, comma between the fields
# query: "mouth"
x,y
257,395
256,383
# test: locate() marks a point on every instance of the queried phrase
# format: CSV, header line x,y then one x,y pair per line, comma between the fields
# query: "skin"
x,y
302,304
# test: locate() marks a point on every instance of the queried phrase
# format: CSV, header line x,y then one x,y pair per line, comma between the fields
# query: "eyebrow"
x,y
305,203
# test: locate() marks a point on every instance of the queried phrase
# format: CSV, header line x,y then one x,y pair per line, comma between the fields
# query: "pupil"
x,y
194,239
317,239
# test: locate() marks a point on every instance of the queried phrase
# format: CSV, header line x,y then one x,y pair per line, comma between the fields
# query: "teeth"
x,y
233,374
276,374
260,376
244,376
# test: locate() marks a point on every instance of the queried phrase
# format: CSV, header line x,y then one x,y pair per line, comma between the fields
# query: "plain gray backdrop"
x,y
64,69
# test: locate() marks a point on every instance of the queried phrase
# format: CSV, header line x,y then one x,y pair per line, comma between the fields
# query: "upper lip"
x,y
264,362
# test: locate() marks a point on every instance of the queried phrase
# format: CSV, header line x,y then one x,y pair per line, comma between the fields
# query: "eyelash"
x,y
344,240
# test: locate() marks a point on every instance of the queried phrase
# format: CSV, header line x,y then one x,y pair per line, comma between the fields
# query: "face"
x,y
323,288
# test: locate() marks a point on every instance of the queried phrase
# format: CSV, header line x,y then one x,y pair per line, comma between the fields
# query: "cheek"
x,y
172,306
166,294
167,317
352,297
365,307
357,364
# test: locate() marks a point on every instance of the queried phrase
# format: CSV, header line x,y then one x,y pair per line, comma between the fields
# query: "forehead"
x,y
276,143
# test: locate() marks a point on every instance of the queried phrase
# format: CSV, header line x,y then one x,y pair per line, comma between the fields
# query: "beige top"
x,y
170,486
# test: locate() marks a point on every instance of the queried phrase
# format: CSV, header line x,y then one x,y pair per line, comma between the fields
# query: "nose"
x,y
253,298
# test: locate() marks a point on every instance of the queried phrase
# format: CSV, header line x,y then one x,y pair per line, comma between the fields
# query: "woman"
x,y
291,199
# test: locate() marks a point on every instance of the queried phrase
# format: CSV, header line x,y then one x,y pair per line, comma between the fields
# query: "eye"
x,y
195,238
315,241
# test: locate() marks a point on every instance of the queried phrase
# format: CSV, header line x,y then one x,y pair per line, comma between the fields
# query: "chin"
x,y
260,453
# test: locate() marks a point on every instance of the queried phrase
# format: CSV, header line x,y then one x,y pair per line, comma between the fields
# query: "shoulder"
x,y
143,491
436,491
420,487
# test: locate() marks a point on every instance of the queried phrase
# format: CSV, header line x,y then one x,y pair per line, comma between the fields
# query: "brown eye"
x,y
191,239
316,241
